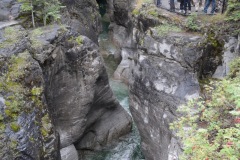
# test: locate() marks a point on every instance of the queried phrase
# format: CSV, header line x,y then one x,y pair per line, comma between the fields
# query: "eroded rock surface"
x,y
9,9
231,51
165,68
26,129
83,16
162,79
70,72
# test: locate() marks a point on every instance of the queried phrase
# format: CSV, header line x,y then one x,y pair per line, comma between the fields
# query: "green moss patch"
x,y
34,37
15,127
11,35
167,28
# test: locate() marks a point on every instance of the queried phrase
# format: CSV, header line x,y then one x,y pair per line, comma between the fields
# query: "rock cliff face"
x,y
54,90
121,33
231,51
163,77
165,68
9,8
83,16
83,107
26,129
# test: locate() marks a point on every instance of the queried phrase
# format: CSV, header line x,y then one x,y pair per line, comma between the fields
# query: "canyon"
x,y
57,95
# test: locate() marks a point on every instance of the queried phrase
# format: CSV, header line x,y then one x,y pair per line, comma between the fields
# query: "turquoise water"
x,y
128,147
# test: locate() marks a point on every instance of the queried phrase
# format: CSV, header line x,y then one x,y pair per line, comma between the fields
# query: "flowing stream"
x,y
129,146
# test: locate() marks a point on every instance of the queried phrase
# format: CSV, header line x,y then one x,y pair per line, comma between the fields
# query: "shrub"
x,y
192,23
233,10
210,125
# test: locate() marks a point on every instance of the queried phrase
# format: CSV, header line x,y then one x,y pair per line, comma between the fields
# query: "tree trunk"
x,y
45,20
33,21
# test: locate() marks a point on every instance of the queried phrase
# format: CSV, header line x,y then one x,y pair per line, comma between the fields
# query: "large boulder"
x,y
84,109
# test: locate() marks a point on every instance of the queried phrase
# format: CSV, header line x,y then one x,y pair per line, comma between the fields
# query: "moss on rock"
x,y
11,36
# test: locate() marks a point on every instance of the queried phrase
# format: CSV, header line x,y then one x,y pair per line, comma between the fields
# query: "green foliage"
x,y
76,40
15,127
153,12
79,40
192,23
46,125
135,12
51,9
36,91
210,126
10,83
44,9
147,1
233,10
34,37
1,117
166,28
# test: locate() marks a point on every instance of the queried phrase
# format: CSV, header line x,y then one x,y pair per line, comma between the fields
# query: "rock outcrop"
x,y
165,69
121,34
231,51
83,106
83,16
26,129
53,81
9,9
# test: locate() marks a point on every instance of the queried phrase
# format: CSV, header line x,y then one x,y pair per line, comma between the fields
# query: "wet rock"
x,y
165,69
69,153
42,42
66,68
122,12
123,70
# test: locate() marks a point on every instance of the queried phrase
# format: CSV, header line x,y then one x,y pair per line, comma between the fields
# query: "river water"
x,y
128,147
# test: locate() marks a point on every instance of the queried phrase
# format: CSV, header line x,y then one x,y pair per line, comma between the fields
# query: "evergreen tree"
x,y
44,8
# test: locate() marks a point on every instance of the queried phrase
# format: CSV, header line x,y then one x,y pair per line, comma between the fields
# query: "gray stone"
x,y
123,70
83,17
163,75
26,129
9,9
79,100
231,51
69,153
12,40
76,77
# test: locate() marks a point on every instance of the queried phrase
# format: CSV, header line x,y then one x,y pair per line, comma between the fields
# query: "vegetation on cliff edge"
x,y
210,126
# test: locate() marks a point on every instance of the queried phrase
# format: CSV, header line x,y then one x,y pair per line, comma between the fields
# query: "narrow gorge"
x,y
106,79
